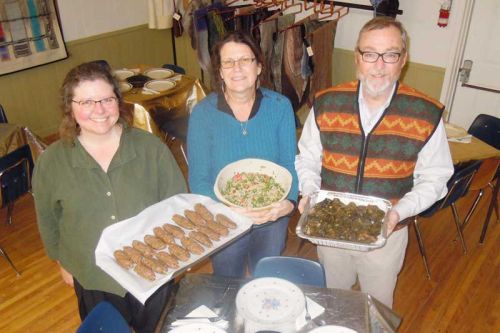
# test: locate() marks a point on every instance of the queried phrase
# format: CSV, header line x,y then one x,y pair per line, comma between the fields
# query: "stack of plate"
x,y
270,304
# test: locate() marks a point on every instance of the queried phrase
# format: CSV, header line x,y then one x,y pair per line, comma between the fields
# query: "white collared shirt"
x,y
433,168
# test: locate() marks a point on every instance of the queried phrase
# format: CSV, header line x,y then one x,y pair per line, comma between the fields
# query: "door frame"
x,y
462,10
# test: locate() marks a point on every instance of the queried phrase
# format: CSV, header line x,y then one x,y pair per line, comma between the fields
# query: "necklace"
x,y
244,129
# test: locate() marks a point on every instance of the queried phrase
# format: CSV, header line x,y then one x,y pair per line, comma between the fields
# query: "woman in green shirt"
x,y
101,171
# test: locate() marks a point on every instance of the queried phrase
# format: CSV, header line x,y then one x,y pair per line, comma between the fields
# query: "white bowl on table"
x,y
125,86
159,73
160,85
252,165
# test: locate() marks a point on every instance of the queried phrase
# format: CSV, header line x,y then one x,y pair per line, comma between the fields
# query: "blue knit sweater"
x,y
215,139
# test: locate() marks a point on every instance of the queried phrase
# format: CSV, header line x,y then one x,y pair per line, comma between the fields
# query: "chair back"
x,y
15,174
458,185
104,317
104,64
3,116
175,68
293,269
486,128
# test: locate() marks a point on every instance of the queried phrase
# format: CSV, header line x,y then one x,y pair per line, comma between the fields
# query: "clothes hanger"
x,y
333,13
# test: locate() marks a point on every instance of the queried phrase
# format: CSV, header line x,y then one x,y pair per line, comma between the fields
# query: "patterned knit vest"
x,y
381,163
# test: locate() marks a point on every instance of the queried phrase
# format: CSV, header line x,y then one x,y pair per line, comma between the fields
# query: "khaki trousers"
x,y
376,270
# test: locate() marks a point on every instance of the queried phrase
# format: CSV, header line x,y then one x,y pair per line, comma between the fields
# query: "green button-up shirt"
x,y
75,199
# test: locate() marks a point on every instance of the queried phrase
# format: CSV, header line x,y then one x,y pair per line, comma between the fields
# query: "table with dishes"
x,y
269,304
158,95
14,136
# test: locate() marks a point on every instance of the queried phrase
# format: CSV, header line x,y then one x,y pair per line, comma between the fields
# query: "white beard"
x,y
375,89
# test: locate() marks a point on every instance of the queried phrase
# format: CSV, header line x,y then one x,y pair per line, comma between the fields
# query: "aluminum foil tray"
x,y
346,198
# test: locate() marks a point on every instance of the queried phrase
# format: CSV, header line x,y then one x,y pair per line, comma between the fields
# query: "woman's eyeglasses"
x,y
90,103
229,63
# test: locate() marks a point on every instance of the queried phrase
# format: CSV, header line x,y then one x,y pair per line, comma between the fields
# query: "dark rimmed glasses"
x,y
387,57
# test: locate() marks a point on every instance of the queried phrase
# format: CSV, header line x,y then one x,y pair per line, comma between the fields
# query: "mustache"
x,y
377,72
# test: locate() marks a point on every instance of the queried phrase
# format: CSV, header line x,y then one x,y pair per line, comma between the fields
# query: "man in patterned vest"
x,y
376,137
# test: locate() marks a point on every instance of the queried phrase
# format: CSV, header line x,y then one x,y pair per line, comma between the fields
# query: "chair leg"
x,y
421,247
456,219
490,210
184,154
473,208
4,254
10,209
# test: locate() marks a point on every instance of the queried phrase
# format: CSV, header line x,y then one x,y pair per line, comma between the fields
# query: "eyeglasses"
x,y
387,57
229,63
90,103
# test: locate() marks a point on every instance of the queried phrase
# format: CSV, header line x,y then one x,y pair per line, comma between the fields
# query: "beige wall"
x,y
30,97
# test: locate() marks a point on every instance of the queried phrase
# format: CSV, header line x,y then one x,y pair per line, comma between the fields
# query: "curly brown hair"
x,y
236,37
89,71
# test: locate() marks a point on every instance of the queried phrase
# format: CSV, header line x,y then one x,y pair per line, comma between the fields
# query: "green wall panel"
x,y
30,97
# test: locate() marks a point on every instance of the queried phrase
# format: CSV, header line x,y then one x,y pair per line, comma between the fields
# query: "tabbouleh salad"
x,y
251,189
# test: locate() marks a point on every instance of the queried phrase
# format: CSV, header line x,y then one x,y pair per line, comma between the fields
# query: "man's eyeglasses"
x,y
229,63
90,103
387,57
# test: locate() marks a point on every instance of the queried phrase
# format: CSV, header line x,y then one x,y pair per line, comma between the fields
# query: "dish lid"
x,y
159,73
123,74
160,85
270,301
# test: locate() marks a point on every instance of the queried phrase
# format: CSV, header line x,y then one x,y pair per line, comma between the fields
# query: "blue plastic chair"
x,y
104,317
487,129
293,269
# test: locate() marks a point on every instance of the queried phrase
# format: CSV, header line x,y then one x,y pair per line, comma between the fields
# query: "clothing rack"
x,y
354,5
319,2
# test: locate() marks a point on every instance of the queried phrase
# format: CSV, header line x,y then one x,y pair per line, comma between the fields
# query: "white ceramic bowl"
x,y
279,173
160,85
159,73
123,74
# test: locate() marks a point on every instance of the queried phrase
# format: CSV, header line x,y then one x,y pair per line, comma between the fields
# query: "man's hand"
x,y
392,220
302,203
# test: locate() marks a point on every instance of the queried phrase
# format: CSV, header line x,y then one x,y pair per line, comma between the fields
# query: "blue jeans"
x,y
262,241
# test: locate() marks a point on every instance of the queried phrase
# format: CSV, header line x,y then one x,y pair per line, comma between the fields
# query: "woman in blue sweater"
x,y
241,120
